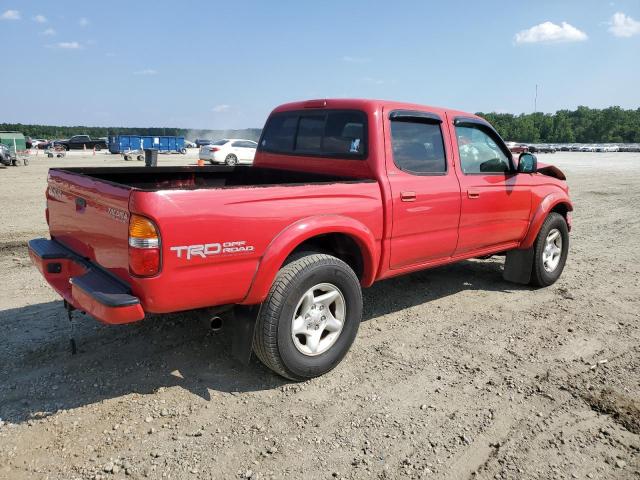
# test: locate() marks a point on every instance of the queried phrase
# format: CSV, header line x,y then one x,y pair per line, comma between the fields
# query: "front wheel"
x,y
310,318
550,250
231,160
97,148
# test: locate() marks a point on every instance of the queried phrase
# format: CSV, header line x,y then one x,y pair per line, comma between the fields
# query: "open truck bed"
x,y
185,178
214,225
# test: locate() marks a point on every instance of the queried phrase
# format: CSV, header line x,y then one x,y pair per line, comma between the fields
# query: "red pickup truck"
x,y
342,193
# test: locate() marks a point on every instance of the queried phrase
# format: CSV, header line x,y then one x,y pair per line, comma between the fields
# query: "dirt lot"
x,y
455,374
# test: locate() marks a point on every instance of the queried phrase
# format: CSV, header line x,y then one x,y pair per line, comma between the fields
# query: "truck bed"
x,y
192,177
89,211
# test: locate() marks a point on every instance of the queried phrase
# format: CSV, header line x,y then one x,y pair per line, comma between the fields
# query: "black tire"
x,y
272,341
540,277
127,158
231,160
183,151
140,158
97,148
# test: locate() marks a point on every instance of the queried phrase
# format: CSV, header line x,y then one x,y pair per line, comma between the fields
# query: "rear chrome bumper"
x,y
83,284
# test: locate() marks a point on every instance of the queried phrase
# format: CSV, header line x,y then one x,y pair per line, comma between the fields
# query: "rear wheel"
x,y
310,318
231,160
97,148
550,251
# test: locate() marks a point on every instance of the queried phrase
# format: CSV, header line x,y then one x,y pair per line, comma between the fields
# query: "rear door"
x,y
425,189
495,200
248,150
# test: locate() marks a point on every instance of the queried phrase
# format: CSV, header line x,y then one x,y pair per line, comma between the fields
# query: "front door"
x,y
496,200
425,189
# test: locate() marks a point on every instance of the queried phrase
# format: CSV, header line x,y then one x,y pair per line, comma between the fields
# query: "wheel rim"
x,y
318,319
552,250
231,160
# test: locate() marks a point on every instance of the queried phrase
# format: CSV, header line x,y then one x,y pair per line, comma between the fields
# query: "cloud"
x,y
66,45
40,19
83,22
10,15
220,108
146,71
48,32
549,32
623,26
374,81
350,59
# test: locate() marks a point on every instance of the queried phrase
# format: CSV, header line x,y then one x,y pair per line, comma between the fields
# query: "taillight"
x,y
213,149
144,246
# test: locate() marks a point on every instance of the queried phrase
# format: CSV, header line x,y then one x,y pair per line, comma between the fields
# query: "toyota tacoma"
x,y
342,193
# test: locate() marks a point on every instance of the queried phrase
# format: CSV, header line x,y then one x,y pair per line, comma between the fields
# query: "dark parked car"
x,y
203,141
6,158
542,149
80,142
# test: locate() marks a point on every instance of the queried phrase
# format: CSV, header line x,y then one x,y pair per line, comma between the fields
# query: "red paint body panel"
x,y
91,231
401,222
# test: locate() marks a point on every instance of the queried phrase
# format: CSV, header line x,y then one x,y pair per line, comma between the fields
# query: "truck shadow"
x,y
39,376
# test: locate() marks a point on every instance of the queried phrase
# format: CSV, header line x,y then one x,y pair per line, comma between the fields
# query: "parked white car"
x,y
230,151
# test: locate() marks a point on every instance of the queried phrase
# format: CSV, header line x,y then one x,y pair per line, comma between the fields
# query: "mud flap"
x,y
518,266
243,326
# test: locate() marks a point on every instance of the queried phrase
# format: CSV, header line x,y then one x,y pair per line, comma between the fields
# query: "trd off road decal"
x,y
210,249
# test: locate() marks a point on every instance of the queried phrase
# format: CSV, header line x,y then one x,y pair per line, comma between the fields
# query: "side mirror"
x,y
527,163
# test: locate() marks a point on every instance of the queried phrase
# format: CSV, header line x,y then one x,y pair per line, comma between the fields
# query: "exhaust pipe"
x,y
216,324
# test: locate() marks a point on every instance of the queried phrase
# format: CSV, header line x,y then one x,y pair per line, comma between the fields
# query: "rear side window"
x,y
418,146
333,133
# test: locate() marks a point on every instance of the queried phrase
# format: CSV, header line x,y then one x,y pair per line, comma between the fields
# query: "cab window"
x,y
479,151
418,146
325,133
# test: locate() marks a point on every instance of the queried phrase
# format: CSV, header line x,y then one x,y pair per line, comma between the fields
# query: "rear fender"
x,y
287,241
546,206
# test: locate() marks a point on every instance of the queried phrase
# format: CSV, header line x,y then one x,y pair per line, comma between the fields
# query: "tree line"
x,y
51,132
583,125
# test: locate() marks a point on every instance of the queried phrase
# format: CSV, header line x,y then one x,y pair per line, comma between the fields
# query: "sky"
x,y
209,64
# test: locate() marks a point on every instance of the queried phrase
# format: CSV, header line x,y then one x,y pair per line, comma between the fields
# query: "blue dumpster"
x,y
163,143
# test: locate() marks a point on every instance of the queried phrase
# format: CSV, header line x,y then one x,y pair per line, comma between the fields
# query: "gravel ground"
x,y
455,373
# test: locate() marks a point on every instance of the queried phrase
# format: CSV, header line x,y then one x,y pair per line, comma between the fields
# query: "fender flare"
x,y
547,204
304,229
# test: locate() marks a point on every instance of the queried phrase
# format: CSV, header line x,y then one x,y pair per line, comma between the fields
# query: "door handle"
x,y
473,194
408,196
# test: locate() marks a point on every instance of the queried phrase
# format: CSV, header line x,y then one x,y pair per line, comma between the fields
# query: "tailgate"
x,y
91,217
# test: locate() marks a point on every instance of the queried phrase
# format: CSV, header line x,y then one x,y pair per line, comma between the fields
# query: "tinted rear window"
x,y
327,133
219,142
418,146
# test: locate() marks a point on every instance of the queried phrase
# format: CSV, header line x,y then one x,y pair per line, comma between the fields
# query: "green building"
x,y
13,140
